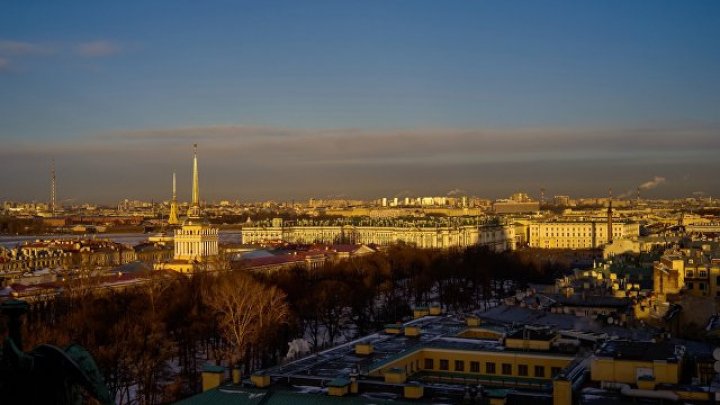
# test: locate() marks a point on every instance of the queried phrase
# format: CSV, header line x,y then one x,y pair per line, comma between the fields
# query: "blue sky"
x,y
87,82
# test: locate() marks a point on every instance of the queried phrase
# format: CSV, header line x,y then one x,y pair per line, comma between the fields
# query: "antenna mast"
x,y
52,188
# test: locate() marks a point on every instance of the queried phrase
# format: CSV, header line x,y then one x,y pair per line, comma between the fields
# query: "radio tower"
x,y
542,197
52,188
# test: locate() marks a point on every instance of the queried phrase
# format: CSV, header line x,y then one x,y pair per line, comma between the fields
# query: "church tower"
x,y
173,218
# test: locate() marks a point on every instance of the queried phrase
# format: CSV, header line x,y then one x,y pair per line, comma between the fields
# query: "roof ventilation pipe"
x,y
627,391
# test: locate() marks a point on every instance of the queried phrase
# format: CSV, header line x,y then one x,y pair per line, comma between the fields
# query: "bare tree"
x,y
245,309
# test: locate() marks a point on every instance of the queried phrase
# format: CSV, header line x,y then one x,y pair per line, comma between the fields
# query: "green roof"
x,y
212,368
339,382
496,393
220,396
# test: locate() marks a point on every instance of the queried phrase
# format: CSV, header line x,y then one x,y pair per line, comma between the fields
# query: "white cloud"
x,y
17,51
456,191
97,48
9,47
649,185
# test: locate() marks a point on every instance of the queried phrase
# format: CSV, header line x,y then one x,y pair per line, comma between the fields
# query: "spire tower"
x,y
196,241
194,210
196,185
173,217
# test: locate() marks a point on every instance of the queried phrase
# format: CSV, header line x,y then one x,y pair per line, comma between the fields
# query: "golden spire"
x,y
194,211
196,187
173,217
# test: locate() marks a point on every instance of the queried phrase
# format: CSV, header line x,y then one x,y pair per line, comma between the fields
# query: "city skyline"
x,y
290,101
446,168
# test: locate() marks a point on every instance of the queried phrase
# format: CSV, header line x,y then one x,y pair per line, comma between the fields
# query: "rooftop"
x,y
292,395
643,351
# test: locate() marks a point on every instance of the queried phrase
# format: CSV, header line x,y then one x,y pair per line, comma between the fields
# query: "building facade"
x,y
496,237
693,271
578,234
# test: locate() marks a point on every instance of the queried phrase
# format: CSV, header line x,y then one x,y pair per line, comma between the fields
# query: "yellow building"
x,y
523,365
196,242
638,363
526,358
577,234
691,270
496,237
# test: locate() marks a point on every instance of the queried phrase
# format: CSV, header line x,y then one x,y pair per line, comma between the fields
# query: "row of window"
x,y
490,368
701,274
578,235
690,286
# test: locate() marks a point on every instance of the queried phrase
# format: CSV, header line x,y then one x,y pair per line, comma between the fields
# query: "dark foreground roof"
x,y
237,395
643,351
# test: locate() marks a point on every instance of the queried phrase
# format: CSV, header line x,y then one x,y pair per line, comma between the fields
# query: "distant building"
x,y
561,201
311,259
65,254
578,234
423,235
516,204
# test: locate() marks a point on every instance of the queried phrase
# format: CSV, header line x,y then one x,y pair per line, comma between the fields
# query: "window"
x,y
701,286
459,365
688,273
490,368
507,369
702,273
555,371
689,285
474,366
539,371
444,364
429,364
522,370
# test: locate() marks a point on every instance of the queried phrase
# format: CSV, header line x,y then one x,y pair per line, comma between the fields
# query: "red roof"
x,y
271,260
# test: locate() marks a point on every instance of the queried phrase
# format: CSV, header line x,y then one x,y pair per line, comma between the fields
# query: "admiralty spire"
x,y
196,242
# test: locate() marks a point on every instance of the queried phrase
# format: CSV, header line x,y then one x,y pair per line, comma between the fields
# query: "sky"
x,y
362,99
